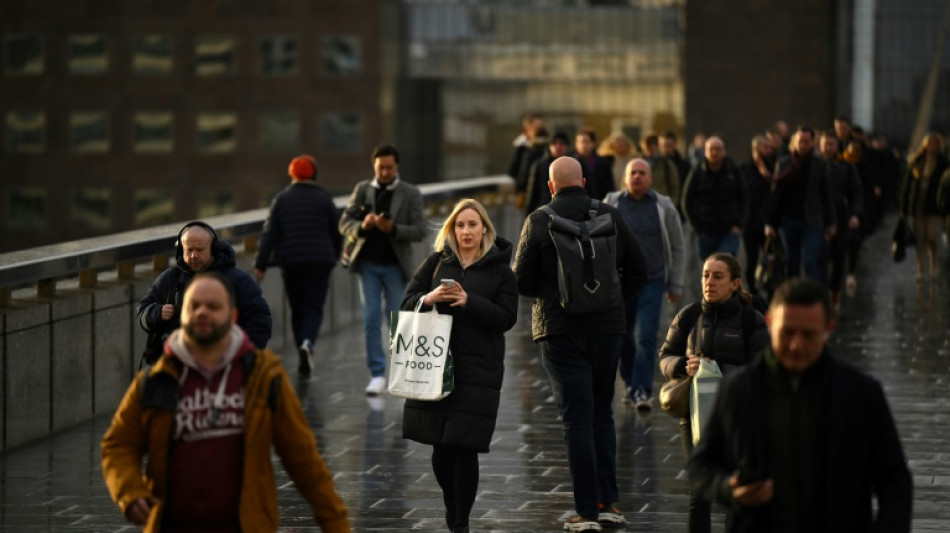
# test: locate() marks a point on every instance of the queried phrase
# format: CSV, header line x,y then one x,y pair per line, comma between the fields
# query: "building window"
x,y
152,54
88,54
280,55
25,132
27,208
213,202
214,55
154,133
279,131
341,132
91,208
89,132
342,55
153,207
217,132
23,54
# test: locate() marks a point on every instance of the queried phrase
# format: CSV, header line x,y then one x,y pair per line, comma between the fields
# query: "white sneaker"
x,y
376,386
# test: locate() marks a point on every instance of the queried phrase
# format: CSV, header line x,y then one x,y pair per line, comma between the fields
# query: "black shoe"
x,y
306,358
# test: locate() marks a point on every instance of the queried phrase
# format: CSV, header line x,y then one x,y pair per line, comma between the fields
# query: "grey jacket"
x,y
674,251
408,216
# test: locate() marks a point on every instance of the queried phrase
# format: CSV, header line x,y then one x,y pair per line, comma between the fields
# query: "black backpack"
x,y
587,276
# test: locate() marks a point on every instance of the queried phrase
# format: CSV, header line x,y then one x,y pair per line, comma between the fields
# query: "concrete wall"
x,y
70,358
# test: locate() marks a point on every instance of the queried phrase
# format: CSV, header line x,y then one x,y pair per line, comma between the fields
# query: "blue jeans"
x,y
638,351
306,287
377,280
803,244
710,244
582,370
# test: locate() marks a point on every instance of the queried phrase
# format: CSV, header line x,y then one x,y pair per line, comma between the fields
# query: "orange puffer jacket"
x,y
143,425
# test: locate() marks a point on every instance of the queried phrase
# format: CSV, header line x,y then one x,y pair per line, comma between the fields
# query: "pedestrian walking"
x,y
468,277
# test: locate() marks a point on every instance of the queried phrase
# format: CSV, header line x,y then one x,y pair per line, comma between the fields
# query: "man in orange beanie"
x,y
301,236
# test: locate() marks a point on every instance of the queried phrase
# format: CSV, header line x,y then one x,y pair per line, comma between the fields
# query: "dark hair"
x,y
560,136
384,150
828,133
669,134
806,129
843,118
589,132
735,272
220,278
801,291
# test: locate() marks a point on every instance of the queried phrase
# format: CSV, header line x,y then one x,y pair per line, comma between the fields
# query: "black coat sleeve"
x,y
496,315
420,284
527,258
253,312
633,264
673,351
891,478
161,292
269,236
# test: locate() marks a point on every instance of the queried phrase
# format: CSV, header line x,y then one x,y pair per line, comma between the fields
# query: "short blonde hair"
x,y
446,236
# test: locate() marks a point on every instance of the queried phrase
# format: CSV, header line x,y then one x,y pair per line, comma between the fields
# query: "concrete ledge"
x,y
27,385
72,380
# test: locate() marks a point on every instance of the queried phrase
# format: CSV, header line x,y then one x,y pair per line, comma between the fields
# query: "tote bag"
x,y
702,394
420,362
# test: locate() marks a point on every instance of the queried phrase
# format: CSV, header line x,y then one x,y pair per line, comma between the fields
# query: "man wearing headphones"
x,y
198,249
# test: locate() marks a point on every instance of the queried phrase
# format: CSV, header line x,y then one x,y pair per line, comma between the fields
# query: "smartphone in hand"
x,y
450,283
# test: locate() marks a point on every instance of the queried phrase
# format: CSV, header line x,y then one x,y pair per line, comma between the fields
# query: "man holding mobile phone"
x,y
799,440
384,216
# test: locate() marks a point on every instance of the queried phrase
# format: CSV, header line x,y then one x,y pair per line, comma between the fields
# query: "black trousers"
x,y
698,515
306,287
456,470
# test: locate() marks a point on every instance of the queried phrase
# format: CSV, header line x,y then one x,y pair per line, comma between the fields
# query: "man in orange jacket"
x,y
206,416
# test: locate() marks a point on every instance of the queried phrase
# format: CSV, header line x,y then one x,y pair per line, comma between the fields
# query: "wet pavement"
x,y
892,327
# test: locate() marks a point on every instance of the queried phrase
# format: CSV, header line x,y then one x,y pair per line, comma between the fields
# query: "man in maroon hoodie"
x,y
206,416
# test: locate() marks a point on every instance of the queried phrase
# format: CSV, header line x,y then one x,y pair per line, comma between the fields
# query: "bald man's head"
x,y
565,172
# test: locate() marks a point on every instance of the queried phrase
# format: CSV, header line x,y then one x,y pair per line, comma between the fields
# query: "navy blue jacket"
x,y
169,287
301,228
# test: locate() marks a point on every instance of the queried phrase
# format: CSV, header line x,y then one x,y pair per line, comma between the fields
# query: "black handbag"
x,y
902,238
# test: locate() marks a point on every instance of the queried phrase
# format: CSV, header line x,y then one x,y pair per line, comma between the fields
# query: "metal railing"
x,y
85,259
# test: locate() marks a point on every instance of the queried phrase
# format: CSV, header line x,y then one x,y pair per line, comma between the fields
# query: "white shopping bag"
x,y
420,362
701,395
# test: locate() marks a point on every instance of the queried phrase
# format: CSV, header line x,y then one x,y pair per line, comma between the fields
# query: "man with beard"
x,y
206,417
801,207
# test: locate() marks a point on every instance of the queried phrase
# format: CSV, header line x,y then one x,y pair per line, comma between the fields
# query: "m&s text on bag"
x,y
420,347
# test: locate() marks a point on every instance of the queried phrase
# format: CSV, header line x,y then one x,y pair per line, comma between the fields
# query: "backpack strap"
x,y
594,208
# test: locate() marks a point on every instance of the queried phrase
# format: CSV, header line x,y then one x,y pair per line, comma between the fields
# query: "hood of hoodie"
x,y
225,258
240,344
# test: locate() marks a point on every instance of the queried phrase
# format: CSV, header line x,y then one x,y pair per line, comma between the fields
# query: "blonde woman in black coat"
x,y
484,303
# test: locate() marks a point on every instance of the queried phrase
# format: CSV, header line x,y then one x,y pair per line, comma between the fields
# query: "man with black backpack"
x,y
579,326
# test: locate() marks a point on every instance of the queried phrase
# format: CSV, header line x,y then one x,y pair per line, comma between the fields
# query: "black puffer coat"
x,y
466,418
722,339
301,228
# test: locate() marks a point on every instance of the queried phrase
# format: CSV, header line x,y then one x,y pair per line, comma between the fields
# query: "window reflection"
x,y
341,132
153,207
279,131
152,54
342,54
217,132
154,132
213,202
89,132
27,208
91,208
279,55
25,132
88,54
23,54
214,55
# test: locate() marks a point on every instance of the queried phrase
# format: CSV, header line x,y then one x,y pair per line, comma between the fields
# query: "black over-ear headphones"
x,y
215,241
